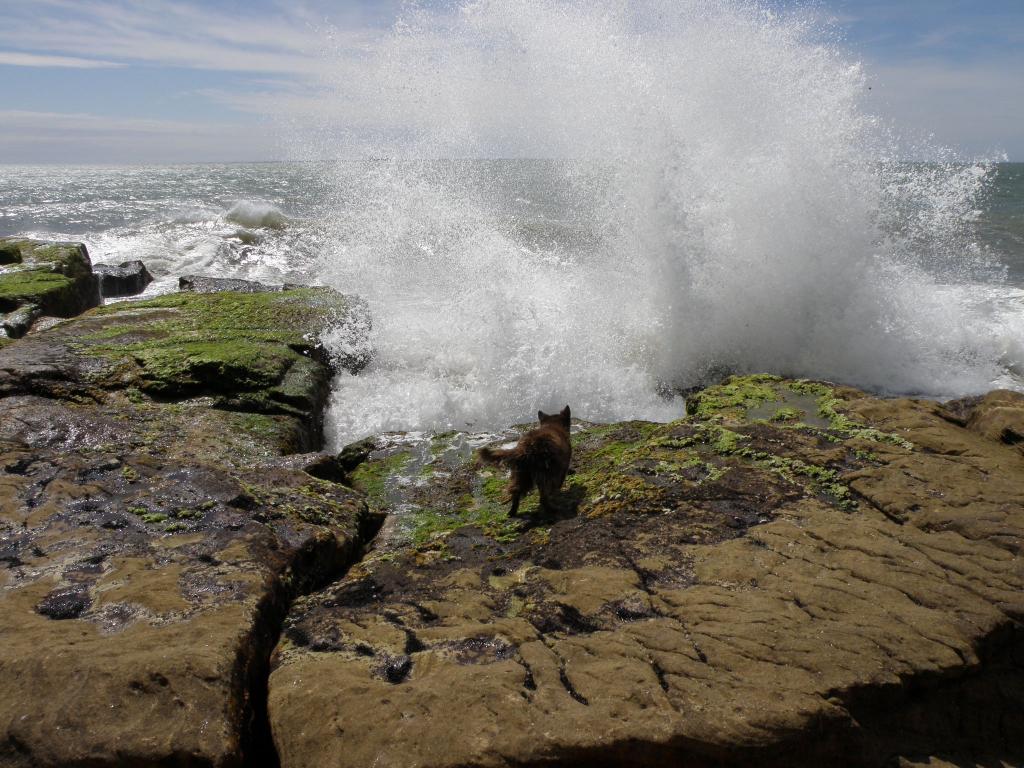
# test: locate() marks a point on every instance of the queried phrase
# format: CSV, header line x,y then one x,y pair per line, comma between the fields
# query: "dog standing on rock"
x,y
540,459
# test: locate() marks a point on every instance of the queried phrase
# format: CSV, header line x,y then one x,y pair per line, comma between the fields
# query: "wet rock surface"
x,y
256,353
203,284
154,526
125,279
797,574
43,278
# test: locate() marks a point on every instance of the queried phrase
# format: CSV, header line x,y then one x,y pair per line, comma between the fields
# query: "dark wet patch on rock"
x,y
64,604
394,669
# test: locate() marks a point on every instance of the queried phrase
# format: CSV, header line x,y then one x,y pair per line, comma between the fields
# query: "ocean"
x,y
732,206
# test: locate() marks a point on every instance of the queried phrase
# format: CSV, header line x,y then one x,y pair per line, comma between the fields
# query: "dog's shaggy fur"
x,y
540,459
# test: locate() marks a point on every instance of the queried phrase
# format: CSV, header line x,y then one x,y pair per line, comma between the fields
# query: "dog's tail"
x,y
500,455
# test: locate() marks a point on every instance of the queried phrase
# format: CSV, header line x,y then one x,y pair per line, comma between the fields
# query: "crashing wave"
x,y
254,214
743,211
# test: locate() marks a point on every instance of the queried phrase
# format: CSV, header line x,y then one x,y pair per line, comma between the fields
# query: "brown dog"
x,y
540,458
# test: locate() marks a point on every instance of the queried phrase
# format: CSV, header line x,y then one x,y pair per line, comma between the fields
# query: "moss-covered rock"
x,y
257,353
796,574
55,277
155,523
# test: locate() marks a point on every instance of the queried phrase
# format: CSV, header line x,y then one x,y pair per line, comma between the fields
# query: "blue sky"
x,y
86,81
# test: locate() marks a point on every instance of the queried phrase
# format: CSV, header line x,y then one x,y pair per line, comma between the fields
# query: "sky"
x,y
161,81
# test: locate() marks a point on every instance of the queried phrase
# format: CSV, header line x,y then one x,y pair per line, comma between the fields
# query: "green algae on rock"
x,y
735,396
54,278
838,587
186,343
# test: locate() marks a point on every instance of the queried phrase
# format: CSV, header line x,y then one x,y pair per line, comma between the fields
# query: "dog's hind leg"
x,y
547,488
520,483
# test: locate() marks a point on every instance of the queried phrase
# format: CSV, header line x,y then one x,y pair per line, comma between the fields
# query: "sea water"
x,y
714,197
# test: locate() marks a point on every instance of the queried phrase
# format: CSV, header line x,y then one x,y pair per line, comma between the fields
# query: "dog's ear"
x,y
565,414
541,415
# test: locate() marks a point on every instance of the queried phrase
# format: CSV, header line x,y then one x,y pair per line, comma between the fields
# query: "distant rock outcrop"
x,y
125,279
203,284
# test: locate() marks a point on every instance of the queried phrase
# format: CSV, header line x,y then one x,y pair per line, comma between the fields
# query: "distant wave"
x,y
256,214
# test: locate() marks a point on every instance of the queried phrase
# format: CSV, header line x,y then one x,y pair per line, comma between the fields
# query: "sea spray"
x,y
471,326
720,202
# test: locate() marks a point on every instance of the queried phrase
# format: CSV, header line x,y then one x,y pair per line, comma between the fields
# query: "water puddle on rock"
x,y
790,407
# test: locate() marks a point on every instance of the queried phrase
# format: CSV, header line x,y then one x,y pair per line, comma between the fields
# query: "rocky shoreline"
x,y
795,574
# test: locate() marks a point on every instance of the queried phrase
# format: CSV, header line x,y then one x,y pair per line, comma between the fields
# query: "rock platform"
x,y
798,574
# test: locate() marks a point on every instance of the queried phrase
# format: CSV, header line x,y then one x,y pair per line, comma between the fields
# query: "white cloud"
x,y
57,122
22,59
152,33
175,34
273,58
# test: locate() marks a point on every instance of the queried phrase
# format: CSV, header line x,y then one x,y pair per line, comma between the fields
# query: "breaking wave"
x,y
720,201
255,214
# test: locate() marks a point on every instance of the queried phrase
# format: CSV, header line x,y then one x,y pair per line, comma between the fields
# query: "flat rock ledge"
x,y
157,520
796,574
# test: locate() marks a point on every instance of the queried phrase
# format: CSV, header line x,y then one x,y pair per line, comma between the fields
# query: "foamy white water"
x,y
738,215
